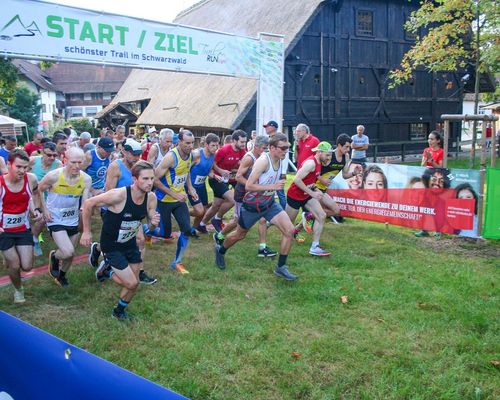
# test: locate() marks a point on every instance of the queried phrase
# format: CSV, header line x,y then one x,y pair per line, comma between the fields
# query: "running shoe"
x,y
121,315
180,268
334,220
202,229
146,279
37,249
61,281
298,237
318,251
421,233
218,238
266,252
103,272
193,234
53,264
217,224
94,255
283,272
219,257
19,296
307,222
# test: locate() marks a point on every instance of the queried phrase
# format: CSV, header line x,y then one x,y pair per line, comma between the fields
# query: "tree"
x,y
8,81
26,108
458,33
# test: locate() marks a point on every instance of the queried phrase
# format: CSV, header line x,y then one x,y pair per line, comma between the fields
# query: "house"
x,y
338,55
38,82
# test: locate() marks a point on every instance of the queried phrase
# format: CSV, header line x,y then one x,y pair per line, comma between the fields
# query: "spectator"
x,y
359,145
433,155
306,141
34,145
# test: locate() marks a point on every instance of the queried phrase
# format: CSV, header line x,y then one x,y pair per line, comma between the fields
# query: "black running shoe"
x,y
103,272
266,252
218,240
53,265
202,229
217,224
193,233
219,258
94,255
120,316
62,281
146,279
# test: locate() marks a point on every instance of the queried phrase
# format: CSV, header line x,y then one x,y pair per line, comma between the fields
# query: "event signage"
x,y
35,29
491,228
37,365
433,199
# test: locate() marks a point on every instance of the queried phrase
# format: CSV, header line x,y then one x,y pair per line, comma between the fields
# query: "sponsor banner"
x,y
36,365
434,199
491,228
50,31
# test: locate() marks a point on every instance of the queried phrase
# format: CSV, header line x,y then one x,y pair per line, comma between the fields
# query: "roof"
x,y
198,97
34,73
86,78
4,120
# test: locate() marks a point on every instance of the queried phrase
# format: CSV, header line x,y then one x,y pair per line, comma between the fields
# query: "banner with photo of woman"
x,y
431,199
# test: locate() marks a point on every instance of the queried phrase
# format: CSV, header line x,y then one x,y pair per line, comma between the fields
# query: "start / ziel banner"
x,y
433,199
34,29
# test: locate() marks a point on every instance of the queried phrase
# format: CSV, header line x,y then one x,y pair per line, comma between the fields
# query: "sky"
x,y
156,10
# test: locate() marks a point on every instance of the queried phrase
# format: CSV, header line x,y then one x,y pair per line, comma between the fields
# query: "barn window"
x,y
418,131
364,23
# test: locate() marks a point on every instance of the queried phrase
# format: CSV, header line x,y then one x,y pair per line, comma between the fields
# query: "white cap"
x,y
85,135
152,129
132,146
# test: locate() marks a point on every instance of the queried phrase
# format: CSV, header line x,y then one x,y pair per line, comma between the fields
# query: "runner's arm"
x,y
306,168
160,171
153,215
3,166
345,170
112,175
87,159
246,163
153,153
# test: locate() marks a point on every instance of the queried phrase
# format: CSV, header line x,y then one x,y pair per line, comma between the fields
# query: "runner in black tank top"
x,y
126,208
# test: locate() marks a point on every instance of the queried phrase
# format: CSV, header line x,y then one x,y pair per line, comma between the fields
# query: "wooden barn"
x,y
338,55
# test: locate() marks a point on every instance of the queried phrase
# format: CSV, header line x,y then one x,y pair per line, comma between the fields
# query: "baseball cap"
x,y
175,138
132,146
325,147
271,123
106,143
152,129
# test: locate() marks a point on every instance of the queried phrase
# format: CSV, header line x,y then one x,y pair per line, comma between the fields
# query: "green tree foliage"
x,y
25,107
81,125
8,81
457,32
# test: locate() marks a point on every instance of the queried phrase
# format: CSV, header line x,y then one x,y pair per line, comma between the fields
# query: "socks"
x,y
314,244
262,246
121,306
282,260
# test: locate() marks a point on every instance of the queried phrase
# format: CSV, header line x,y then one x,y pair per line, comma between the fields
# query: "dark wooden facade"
x,y
336,76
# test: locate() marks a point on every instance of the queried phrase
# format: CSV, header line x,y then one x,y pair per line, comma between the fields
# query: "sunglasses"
x,y
51,155
284,148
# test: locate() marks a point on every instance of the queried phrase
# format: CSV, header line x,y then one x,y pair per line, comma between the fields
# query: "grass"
x,y
422,320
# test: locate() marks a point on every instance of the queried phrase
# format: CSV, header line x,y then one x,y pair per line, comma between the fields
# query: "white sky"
x,y
157,10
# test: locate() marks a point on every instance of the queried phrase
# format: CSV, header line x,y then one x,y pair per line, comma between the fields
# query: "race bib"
x,y
13,220
200,179
128,230
179,180
69,213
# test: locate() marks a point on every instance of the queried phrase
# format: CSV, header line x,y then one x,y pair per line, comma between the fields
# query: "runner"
x,y
41,166
261,144
18,196
171,177
67,188
119,175
126,207
203,160
303,194
258,203
61,142
227,161
159,149
96,164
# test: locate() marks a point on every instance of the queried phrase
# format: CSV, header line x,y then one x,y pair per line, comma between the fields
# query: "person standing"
x,y
35,144
171,178
126,207
18,197
306,142
259,203
359,145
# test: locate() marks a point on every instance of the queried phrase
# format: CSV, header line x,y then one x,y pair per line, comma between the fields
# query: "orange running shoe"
x,y
180,268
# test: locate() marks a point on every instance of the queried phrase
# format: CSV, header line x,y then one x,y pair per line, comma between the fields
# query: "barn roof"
x,y
194,100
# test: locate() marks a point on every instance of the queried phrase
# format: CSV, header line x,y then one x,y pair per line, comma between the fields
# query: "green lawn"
x,y
422,320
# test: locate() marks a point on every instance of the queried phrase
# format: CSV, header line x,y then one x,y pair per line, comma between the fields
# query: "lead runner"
x,y
127,206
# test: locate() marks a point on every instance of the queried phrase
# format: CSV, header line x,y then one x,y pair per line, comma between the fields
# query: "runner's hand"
x,y
47,216
317,195
86,239
180,196
155,220
194,194
37,215
279,185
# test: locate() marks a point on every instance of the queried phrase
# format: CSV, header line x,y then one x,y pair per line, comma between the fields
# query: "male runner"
x,y
259,203
61,142
303,194
159,149
171,177
67,188
18,196
96,164
126,207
